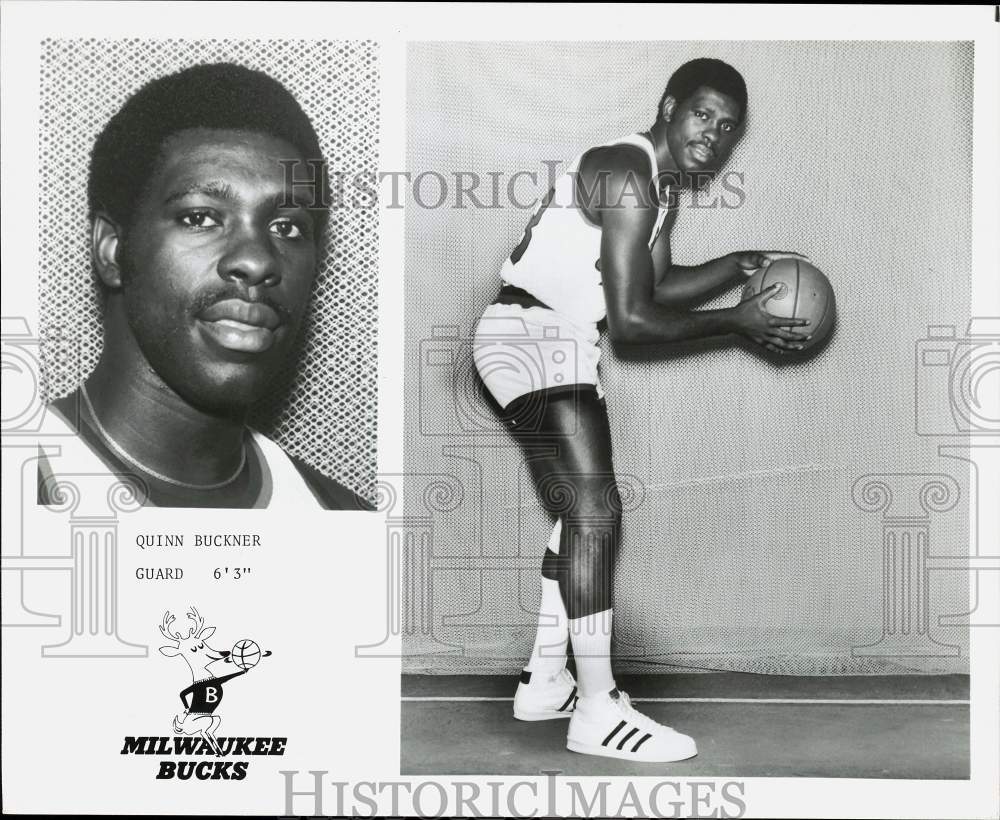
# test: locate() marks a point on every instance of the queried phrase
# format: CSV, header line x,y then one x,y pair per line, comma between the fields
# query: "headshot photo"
x,y
219,299
671,387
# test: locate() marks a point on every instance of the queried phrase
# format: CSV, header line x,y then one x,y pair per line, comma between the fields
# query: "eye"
x,y
194,648
728,127
701,115
198,219
201,646
287,229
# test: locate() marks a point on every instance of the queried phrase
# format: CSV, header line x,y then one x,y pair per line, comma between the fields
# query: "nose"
x,y
250,260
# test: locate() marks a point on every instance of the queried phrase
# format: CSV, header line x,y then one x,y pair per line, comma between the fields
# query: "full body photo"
x,y
597,250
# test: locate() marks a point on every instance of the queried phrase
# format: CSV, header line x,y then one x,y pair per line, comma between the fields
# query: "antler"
x,y
165,627
199,622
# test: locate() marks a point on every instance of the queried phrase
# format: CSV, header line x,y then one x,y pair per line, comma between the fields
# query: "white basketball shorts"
x,y
520,350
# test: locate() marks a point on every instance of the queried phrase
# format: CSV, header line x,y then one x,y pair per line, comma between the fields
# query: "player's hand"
x,y
750,261
775,333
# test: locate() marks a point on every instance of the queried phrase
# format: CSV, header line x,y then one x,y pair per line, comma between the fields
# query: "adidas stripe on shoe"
x,y
541,697
609,726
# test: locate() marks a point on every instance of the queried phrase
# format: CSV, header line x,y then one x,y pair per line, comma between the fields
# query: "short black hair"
x,y
215,95
706,71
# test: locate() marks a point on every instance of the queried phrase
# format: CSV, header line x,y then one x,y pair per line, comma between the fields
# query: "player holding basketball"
x,y
598,247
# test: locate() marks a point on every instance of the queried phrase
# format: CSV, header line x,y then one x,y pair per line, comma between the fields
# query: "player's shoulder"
x,y
616,177
617,160
331,494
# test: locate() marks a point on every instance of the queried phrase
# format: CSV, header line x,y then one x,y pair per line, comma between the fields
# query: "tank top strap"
x,y
639,141
288,488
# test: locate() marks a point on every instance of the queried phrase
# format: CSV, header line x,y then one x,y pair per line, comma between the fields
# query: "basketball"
x,y
245,654
805,293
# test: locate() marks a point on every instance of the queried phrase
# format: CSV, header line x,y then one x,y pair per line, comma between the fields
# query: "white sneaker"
x,y
609,726
545,698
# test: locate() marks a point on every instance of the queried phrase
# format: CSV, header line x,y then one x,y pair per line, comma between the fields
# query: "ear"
x,y
104,240
205,634
668,107
170,651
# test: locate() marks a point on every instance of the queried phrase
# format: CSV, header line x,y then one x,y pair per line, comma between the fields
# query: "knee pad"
x,y
586,565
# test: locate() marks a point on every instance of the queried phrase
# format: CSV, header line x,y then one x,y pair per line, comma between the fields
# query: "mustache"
x,y
224,292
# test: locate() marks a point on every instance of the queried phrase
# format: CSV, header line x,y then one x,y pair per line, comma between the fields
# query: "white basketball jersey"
x,y
558,259
287,489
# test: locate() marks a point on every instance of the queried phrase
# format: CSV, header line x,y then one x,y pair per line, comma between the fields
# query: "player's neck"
x,y
155,426
664,159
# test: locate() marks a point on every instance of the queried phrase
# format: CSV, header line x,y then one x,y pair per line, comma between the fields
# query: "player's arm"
x,y
634,315
683,285
661,251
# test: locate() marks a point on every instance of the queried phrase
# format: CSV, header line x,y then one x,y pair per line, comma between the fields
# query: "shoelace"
x,y
635,716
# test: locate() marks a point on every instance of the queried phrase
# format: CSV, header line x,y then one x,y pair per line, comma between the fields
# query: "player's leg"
x,y
570,457
570,462
548,655
547,689
517,378
568,448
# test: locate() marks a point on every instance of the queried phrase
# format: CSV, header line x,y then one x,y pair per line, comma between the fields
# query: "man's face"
x,y
703,130
218,266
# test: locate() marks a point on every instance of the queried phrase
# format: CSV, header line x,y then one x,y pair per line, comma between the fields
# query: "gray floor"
x,y
804,739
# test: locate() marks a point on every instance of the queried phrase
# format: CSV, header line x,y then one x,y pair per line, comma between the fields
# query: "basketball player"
x,y
598,247
206,258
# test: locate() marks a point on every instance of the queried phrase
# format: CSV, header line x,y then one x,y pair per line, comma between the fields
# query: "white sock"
x,y
548,657
591,637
